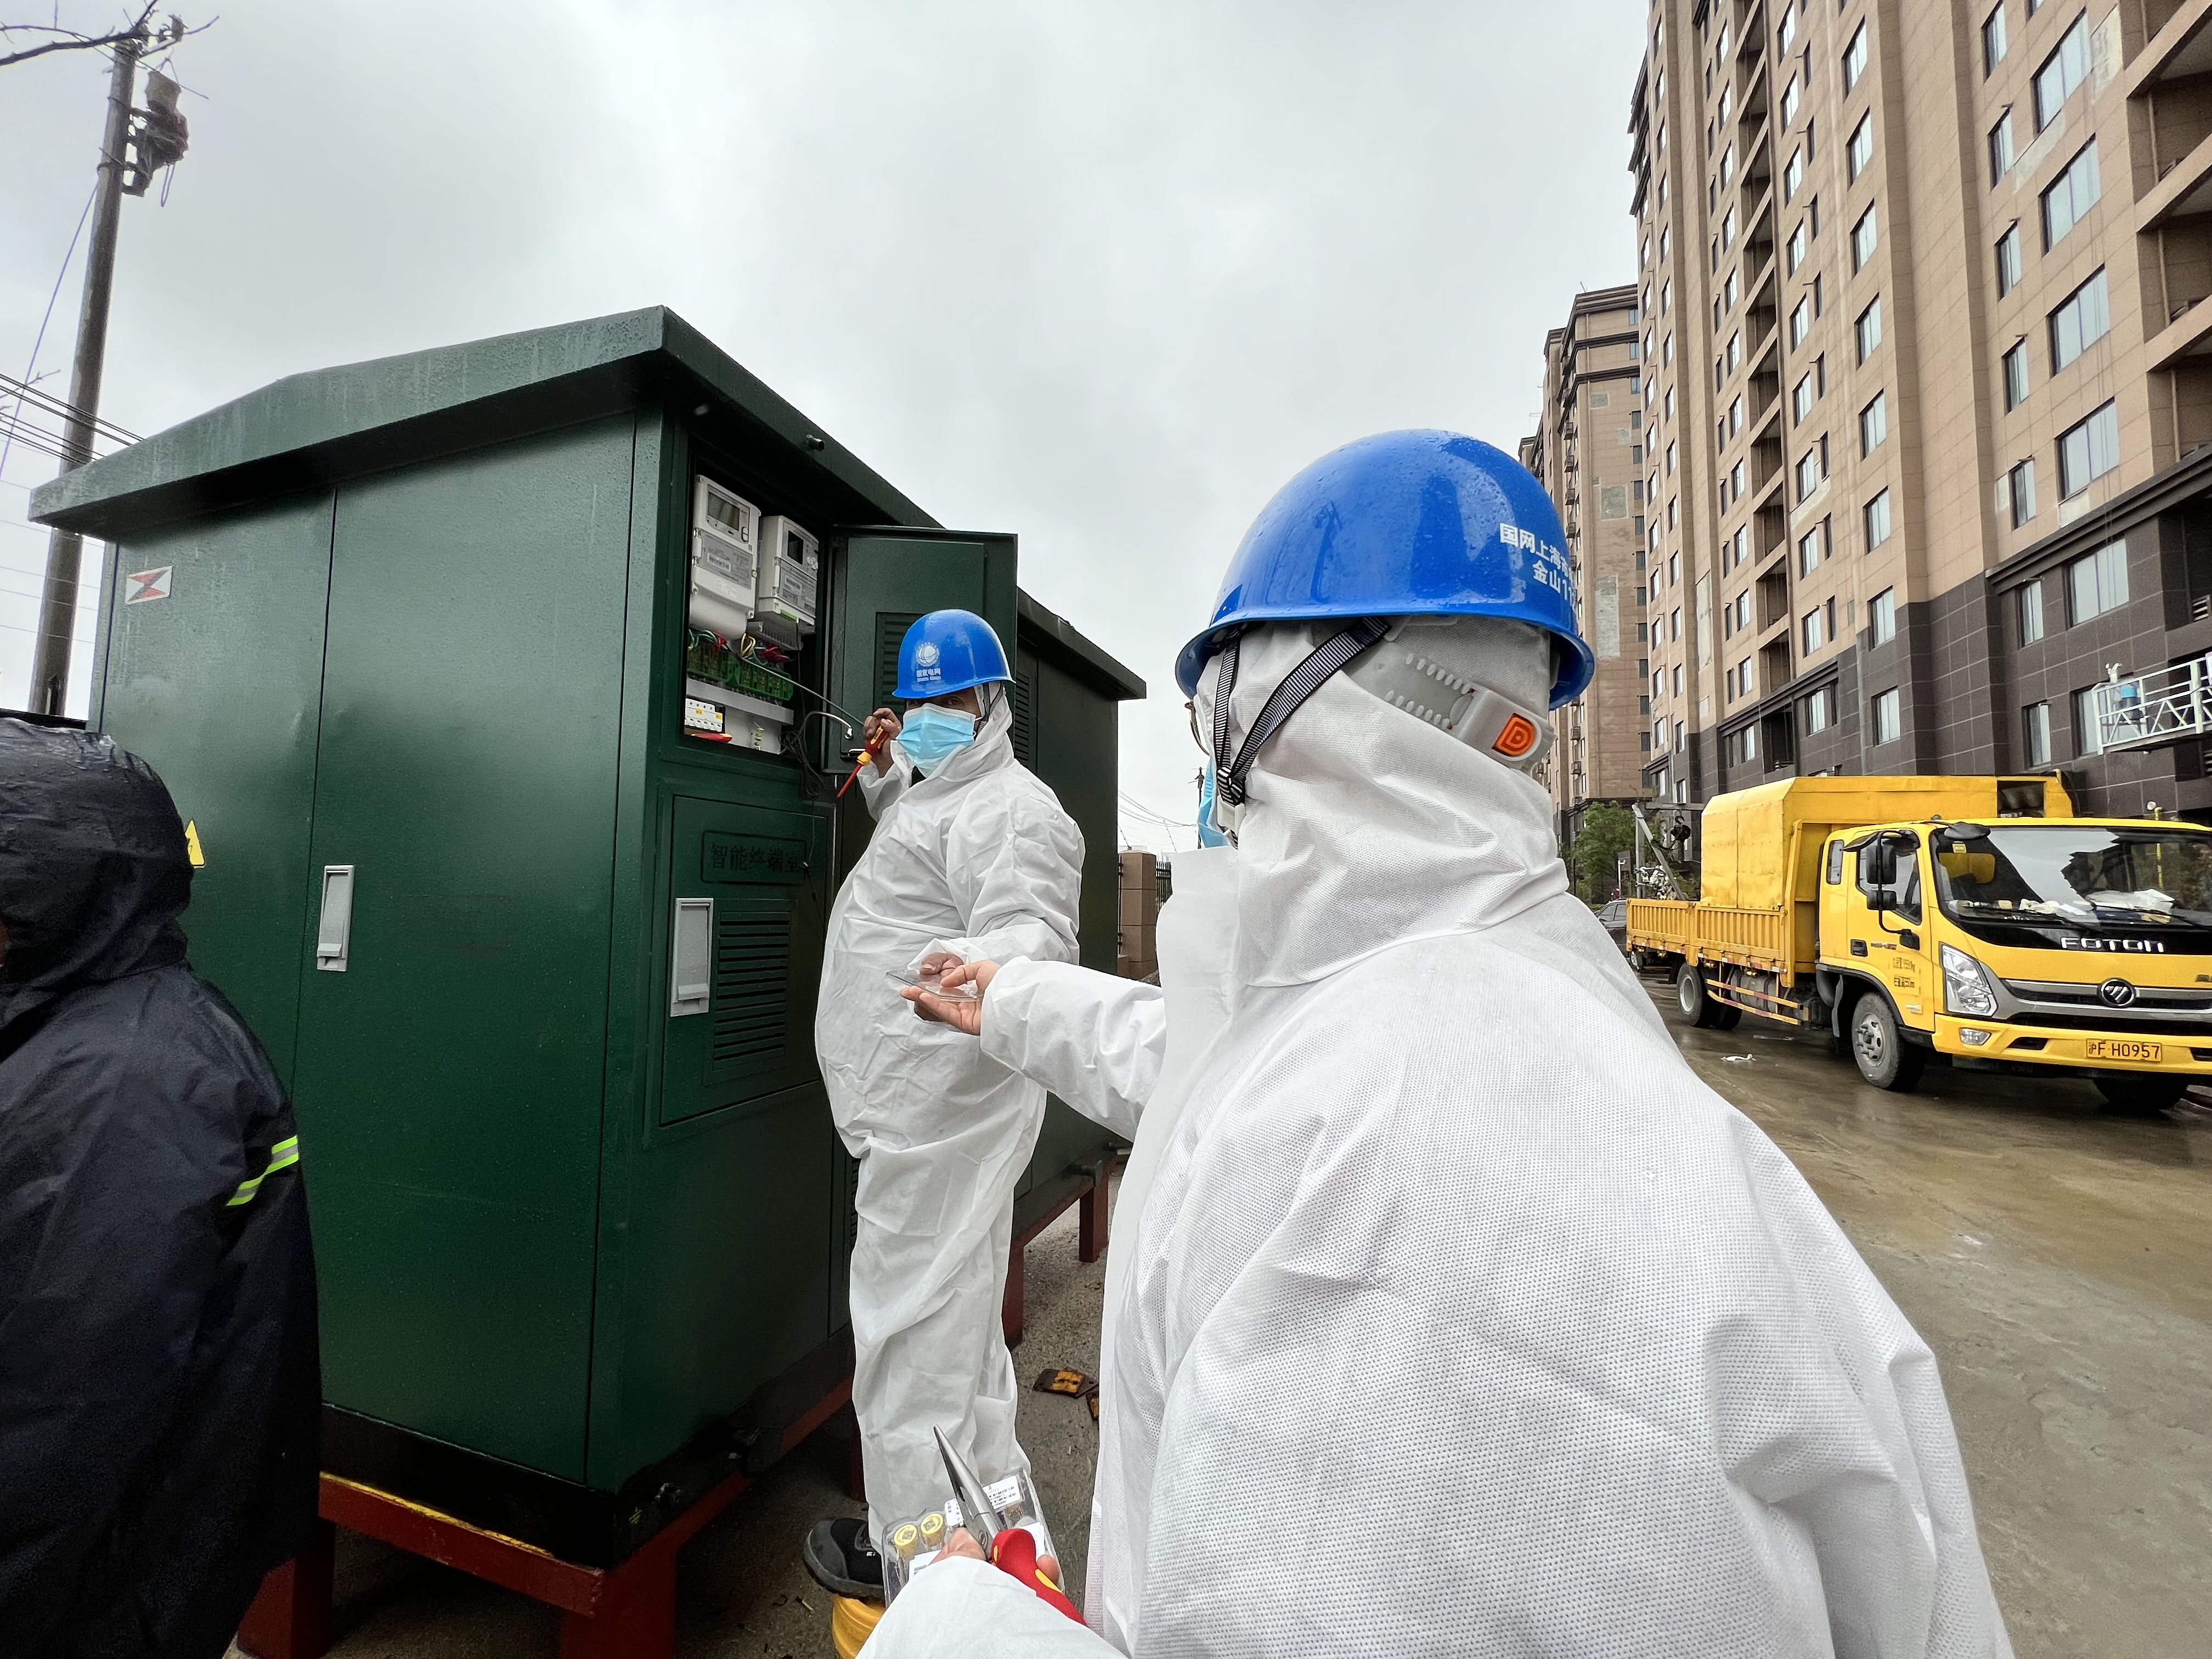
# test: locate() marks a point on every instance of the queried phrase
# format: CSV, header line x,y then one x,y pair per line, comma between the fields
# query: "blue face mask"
x,y
931,735
1208,835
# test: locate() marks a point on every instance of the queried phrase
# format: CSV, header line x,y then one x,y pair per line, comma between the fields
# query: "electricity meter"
x,y
790,579
724,559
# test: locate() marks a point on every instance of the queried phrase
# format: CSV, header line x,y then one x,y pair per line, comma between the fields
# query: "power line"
x,y
31,368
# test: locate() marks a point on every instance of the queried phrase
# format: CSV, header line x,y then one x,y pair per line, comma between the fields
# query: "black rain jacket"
x,y
159,1382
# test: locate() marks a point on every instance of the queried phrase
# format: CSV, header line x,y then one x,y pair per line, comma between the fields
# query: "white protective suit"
x,y
978,859
1448,1311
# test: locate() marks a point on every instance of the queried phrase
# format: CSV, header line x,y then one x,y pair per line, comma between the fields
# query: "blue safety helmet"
x,y
1405,524
949,651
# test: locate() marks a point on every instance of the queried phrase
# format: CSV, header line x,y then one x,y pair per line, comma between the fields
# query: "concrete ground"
x,y
2057,1260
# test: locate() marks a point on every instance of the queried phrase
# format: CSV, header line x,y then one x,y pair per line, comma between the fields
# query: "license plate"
x,y
2114,1049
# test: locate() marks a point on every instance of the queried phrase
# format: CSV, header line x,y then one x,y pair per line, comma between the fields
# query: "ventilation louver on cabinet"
x,y
752,979
1025,729
891,633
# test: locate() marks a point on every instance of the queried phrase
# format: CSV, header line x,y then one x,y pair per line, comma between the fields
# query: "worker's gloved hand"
x,y
963,1012
1014,1553
876,732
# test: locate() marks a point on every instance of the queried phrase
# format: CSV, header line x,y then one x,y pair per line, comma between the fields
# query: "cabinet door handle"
x,y
692,965
334,930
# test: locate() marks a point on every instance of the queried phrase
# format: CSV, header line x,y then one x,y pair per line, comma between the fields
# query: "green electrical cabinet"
x,y
534,945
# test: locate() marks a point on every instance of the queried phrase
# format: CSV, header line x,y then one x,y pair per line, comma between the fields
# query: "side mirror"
x,y
1881,899
1878,864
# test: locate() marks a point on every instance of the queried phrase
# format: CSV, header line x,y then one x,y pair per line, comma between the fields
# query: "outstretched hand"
x,y
962,1013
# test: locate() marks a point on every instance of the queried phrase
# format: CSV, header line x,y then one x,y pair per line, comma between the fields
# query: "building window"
x,y
1808,551
1788,31
1866,236
1795,251
1736,418
1727,155
1734,352
1881,616
1810,627
1674,569
1744,684
2096,582
1874,424
2084,319
1869,328
1801,400
2087,452
1888,716
1790,95
1730,292
1674,623
1667,350
1668,406
1820,710
1728,230
1793,174
1860,151
1877,521
1743,746
1809,475
1737,478
1855,59
1670,460
1742,542
1666,296
2062,72
2035,734
2028,613
1801,323
2022,479
2087,740
1743,620
2071,196
2001,150
2016,375
1665,239
2009,261
1993,41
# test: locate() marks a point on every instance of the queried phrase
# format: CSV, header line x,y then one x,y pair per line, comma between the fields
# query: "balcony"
x,y
2151,710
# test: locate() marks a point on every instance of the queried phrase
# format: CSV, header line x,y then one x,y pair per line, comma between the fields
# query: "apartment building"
x,y
1589,453
1927,406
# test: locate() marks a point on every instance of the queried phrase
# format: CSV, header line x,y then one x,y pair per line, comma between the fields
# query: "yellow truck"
x,y
1973,918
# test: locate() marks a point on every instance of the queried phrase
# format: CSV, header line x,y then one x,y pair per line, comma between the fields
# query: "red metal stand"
x,y
1090,1191
623,1612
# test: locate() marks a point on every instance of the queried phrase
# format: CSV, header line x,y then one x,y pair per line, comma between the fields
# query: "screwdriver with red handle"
x,y
873,748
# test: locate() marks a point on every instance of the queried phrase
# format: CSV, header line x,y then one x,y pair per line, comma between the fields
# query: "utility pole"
x,y
50,659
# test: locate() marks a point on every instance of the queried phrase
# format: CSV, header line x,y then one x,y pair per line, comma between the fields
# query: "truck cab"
x,y
2081,944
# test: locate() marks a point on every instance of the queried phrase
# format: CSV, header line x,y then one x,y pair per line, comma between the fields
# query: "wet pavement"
x,y
2058,1261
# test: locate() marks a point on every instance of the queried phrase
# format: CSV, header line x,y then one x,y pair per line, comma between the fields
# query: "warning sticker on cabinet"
x,y
142,586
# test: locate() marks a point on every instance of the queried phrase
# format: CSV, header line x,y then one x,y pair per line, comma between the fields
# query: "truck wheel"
x,y
1699,1009
1884,1057
2139,1094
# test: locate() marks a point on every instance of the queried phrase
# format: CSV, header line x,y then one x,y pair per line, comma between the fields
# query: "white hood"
x,y
1470,841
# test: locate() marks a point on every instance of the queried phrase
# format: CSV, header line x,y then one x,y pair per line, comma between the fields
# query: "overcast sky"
x,y
1105,274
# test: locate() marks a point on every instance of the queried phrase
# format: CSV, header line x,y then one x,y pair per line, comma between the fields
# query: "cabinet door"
x,y
450,1079
218,687
745,900
883,580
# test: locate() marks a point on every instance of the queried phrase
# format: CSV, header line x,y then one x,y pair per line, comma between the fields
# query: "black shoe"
x,y
843,1561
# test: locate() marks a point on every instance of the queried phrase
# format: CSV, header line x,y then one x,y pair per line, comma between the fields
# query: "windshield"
x,y
2082,874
